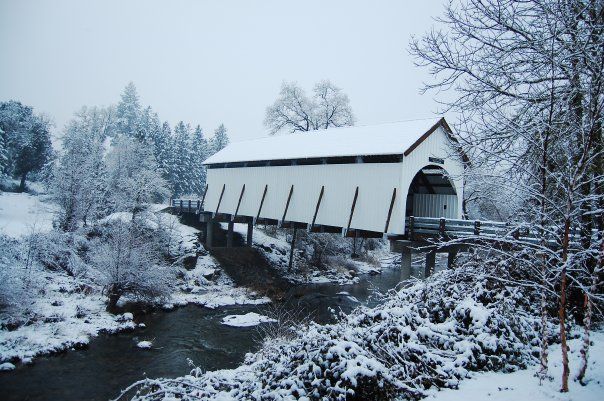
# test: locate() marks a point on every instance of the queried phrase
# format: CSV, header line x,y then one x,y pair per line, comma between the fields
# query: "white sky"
x,y
207,62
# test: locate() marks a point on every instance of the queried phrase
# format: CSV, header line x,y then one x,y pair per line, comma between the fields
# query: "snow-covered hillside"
x,y
23,214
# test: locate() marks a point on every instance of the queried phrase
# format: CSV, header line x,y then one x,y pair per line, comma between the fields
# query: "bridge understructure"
x,y
423,235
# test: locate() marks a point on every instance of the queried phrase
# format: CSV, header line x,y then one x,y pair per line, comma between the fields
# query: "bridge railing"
x,y
187,205
456,228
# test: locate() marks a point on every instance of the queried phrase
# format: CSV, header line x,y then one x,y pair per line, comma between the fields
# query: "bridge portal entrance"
x,y
432,194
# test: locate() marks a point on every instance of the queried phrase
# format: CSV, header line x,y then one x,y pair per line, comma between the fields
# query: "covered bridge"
x,y
364,178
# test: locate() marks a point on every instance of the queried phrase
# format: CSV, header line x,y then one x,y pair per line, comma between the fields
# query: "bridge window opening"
x,y
432,194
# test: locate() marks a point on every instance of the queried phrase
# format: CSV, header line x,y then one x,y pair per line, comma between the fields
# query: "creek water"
x,y
112,362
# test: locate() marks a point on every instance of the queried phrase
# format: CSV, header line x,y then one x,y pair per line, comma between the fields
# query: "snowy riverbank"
x,y
57,310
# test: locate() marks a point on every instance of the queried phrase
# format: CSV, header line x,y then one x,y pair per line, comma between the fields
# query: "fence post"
x,y
441,226
477,227
411,227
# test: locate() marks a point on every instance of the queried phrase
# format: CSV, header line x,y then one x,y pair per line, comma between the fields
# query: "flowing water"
x,y
112,362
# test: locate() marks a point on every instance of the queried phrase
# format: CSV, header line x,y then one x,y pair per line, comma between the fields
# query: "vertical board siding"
x,y
375,181
432,205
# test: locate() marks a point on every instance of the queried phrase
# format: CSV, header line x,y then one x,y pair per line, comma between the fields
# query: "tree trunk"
x,y
22,184
562,308
588,314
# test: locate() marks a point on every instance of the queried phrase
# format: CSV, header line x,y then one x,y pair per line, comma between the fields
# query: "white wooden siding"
x,y
437,145
376,182
433,205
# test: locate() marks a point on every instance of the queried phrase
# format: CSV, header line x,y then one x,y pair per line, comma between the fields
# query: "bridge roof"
x,y
366,140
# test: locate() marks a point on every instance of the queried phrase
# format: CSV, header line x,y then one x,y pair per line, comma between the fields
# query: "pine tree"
x,y
27,139
181,172
128,112
3,154
199,152
220,139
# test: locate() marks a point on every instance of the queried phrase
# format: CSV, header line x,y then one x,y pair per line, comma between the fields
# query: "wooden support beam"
x,y
203,198
261,203
229,243
477,227
354,203
291,251
451,256
250,233
289,198
239,201
220,199
430,263
210,233
390,210
426,183
314,217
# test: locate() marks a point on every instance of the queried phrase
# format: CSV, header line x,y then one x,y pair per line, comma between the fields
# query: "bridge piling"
x,y
406,265
430,263
229,243
451,256
250,233
209,233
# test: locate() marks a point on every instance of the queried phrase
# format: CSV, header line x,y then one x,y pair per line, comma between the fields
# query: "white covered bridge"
x,y
364,180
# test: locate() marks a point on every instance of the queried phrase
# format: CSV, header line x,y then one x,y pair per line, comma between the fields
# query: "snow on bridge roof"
x,y
366,140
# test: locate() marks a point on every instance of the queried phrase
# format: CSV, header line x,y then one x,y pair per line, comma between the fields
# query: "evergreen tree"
x,y
199,152
27,139
128,112
181,172
220,139
3,154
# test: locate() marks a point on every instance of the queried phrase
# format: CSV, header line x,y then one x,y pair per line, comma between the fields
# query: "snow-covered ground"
x,y
22,214
247,320
523,385
208,285
65,314
66,311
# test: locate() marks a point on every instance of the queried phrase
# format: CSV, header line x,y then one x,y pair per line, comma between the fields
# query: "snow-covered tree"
x,y
220,139
3,154
128,112
127,260
79,183
528,78
27,139
183,159
134,180
294,111
199,152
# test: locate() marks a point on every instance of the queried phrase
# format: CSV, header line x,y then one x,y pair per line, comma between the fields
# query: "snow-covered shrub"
x,y
12,274
128,262
61,251
430,334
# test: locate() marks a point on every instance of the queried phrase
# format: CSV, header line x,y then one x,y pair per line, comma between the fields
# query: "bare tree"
x,y
529,83
293,111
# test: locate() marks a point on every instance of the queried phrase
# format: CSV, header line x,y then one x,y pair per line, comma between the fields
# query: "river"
x,y
112,362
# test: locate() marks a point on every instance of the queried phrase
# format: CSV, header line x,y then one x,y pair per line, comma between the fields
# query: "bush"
x,y
431,334
127,258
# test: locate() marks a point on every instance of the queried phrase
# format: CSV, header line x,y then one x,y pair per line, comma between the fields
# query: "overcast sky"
x,y
207,62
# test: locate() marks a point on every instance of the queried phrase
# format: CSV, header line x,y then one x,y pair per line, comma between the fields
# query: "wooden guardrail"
x,y
456,228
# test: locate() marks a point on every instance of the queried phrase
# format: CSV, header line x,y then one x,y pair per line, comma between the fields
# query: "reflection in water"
x,y
112,362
